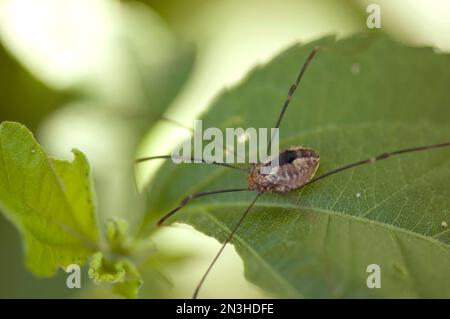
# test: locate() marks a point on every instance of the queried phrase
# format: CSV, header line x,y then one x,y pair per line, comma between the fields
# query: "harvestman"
x,y
294,168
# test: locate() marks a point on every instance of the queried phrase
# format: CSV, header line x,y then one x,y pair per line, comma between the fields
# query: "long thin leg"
x,y
374,159
143,159
292,90
202,280
188,198
190,129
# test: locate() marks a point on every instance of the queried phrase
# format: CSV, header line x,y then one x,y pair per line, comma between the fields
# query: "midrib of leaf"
x,y
222,171
323,211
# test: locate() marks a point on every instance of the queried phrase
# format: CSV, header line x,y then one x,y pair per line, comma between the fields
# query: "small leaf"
x,y
21,107
102,270
130,285
50,201
122,273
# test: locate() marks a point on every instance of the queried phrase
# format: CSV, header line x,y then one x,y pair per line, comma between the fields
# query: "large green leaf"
x,y
49,200
367,97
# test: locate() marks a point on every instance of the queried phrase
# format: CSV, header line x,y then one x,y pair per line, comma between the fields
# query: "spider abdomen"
x,y
287,171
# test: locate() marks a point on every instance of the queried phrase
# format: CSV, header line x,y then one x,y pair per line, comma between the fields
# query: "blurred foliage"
x,y
150,60
24,98
155,65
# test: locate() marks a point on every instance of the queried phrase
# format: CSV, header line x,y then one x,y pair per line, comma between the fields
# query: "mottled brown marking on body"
x,y
296,166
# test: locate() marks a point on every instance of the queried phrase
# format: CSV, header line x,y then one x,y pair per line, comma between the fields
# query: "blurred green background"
x,y
119,79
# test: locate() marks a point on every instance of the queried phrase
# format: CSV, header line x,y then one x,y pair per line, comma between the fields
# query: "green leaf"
x,y
121,273
360,97
102,270
50,201
130,285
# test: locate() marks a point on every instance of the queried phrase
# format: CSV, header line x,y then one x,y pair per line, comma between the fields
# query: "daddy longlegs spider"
x,y
295,168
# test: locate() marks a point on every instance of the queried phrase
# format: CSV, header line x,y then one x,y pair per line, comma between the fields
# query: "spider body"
x,y
287,171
